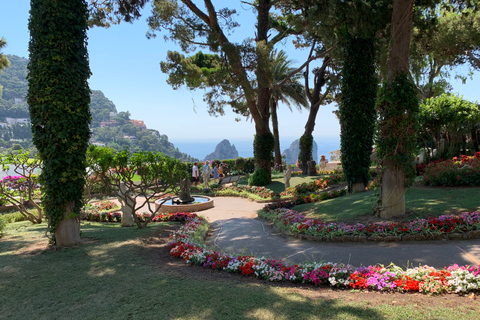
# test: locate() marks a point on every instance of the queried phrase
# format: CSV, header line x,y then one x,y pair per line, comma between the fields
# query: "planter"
x,y
456,236
436,236
420,237
360,238
408,237
473,234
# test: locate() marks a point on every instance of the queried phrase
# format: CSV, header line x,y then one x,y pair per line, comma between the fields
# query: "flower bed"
x,y
467,225
463,171
314,186
262,192
425,279
103,211
107,211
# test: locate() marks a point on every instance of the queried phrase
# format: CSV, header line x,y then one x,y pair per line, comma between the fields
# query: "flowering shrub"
x,y
425,279
296,222
262,192
463,171
101,212
313,186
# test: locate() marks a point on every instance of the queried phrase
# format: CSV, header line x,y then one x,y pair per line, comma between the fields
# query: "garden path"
x,y
237,229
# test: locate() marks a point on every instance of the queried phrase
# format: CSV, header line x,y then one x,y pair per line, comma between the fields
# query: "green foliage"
x,y
19,191
305,155
157,174
240,163
3,224
260,177
59,98
452,173
443,37
357,109
397,106
13,217
448,117
263,147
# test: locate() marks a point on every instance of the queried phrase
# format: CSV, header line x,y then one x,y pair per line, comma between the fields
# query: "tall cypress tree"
x,y
357,110
58,98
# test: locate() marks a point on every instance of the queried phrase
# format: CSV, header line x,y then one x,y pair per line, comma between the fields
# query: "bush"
x,y
249,166
14,217
3,224
464,171
240,163
259,178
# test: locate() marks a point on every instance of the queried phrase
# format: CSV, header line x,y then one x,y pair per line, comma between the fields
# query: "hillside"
x,y
108,127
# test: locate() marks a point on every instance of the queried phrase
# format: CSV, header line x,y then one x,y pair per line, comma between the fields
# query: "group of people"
x,y
207,171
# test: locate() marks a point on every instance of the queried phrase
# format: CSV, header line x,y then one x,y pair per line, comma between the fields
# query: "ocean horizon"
x,y
200,149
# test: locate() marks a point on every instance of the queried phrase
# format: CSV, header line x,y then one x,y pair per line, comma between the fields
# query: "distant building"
x,y
113,114
12,121
99,144
108,123
18,100
3,124
138,123
131,138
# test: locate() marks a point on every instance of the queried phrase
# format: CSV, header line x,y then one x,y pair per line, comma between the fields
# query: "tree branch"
x,y
301,67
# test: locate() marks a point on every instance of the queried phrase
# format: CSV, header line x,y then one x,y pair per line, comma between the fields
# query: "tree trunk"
x,y
393,178
278,154
358,187
393,191
68,232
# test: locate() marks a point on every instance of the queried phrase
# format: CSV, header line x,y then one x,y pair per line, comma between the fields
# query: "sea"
x,y
200,149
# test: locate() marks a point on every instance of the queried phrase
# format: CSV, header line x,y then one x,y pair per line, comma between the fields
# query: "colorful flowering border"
x,y
424,279
466,225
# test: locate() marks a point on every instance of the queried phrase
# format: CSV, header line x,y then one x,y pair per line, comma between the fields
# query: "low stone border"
x,y
186,207
472,234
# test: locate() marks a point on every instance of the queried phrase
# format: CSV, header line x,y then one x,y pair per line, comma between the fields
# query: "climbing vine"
x,y
357,109
263,151
397,105
305,155
58,98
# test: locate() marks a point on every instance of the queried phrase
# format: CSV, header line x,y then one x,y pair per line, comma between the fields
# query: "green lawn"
x,y
278,182
420,203
111,277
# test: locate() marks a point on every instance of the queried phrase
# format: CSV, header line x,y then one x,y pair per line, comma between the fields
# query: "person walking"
x,y
195,175
221,175
215,172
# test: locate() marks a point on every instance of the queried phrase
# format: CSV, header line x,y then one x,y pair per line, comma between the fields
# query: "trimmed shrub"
x,y
260,177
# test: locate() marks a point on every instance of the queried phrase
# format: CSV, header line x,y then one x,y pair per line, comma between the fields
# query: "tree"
x,y
443,37
291,92
19,191
3,59
447,124
357,111
397,106
316,99
58,98
158,174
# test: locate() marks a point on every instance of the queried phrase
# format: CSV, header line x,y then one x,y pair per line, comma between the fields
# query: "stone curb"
x,y
472,234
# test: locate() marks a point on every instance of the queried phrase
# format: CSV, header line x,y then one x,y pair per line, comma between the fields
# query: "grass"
x,y
278,182
110,277
420,203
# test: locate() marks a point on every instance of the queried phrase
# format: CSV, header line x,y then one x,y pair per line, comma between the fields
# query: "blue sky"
x,y
125,66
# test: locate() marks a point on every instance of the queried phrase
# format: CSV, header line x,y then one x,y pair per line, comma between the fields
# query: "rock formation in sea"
x,y
291,154
223,151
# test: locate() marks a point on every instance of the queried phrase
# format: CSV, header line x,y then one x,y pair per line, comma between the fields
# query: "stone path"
x,y
237,229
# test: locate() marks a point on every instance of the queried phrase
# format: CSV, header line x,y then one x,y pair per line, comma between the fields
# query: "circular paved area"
x,y
237,229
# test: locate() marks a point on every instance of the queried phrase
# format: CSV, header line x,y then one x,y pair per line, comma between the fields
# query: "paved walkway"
x,y
237,229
